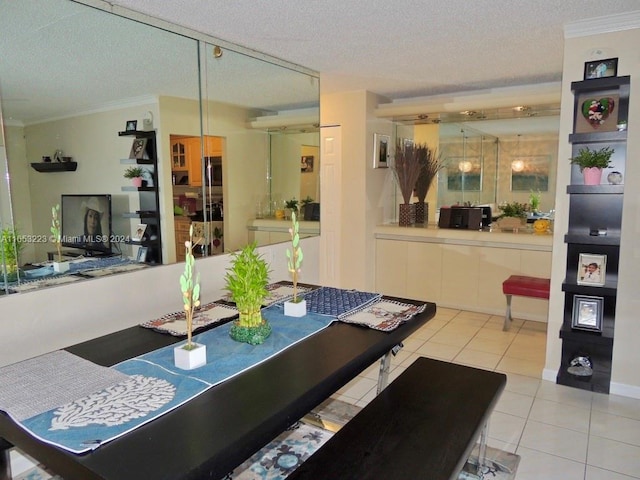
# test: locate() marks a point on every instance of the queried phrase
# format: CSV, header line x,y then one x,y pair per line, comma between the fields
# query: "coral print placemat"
x,y
385,315
176,323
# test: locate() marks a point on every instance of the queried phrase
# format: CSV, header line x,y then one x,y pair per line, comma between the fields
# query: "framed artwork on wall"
x,y
530,173
596,113
381,145
587,313
306,164
601,68
592,269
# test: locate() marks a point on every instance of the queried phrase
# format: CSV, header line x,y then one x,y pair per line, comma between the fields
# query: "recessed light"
x,y
522,108
468,113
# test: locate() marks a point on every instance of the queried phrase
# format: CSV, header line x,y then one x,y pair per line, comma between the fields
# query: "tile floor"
x,y
561,433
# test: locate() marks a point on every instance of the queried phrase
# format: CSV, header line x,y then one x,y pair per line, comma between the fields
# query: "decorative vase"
x,y
137,182
407,216
295,309
592,175
422,212
60,267
250,328
188,359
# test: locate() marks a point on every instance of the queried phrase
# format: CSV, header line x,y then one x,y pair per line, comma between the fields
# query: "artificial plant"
x,y
190,287
430,163
12,245
588,158
294,256
406,169
513,209
55,230
134,172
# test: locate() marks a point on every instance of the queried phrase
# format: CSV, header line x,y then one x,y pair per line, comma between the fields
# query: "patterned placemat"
x,y
384,315
336,302
176,323
101,272
44,282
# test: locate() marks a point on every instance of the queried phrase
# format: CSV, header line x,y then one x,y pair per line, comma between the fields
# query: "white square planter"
x,y
190,359
60,267
292,309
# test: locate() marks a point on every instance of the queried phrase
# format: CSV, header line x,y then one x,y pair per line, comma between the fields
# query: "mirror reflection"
x,y
81,86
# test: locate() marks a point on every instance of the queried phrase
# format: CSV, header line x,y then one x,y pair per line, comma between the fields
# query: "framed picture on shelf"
x,y
139,233
138,149
142,254
132,125
597,113
381,150
601,68
587,313
592,269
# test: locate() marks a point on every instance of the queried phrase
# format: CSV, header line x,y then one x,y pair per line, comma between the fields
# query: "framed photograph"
x,y
138,149
381,146
306,164
142,254
592,269
139,233
601,68
587,313
132,125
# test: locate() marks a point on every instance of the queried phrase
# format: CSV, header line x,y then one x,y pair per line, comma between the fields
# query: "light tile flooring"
x,y
561,433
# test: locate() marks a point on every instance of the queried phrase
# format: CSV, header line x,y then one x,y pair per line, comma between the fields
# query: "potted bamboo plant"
x,y
406,170
190,355
591,163
430,164
297,307
59,266
247,279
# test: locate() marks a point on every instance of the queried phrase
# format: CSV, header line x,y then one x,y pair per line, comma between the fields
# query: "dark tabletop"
x,y
222,427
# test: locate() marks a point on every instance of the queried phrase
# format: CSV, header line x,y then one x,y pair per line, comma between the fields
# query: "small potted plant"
x,y
190,355
291,206
135,174
247,279
513,216
217,240
60,266
591,163
303,208
297,307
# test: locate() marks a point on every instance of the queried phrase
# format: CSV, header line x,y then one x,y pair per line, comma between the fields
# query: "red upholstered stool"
x,y
523,286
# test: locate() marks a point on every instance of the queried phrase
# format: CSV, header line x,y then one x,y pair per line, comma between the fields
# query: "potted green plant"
x,y
591,163
135,174
60,266
247,279
513,216
297,307
12,245
190,355
291,206
430,164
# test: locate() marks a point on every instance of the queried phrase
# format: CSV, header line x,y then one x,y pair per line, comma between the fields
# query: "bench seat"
x,y
523,286
424,425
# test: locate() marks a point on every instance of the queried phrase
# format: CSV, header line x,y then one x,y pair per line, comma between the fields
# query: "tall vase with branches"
x,y
430,163
406,170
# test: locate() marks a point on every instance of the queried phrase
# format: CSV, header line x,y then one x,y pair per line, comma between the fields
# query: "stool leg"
x,y
507,317
383,374
482,450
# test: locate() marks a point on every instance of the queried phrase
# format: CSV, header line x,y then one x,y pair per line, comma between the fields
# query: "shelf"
x,y
140,214
609,290
136,161
586,239
137,133
46,167
584,337
595,84
138,189
594,137
596,189
598,382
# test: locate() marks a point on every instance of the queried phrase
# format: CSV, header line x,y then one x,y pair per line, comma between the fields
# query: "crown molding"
x,y
606,24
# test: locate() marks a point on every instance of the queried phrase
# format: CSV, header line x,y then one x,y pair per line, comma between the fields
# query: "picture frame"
x,y
587,313
139,233
592,269
306,163
142,254
463,173
596,113
132,126
601,68
138,149
381,147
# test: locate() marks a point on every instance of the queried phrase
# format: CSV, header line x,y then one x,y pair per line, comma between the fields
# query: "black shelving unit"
x,y
595,221
149,196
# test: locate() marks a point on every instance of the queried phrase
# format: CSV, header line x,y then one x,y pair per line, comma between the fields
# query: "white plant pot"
x,y
190,359
292,309
60,267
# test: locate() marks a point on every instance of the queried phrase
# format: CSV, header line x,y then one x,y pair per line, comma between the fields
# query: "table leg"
x,y
482,449
5,460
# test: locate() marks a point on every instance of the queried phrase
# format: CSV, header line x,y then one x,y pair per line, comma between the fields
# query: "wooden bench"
x,y
523,286
424,425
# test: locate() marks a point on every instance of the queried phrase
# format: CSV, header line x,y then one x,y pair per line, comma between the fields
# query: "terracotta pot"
x,y
592,175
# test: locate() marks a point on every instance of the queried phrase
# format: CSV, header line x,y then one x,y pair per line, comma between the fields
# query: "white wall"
x,y
40,321
626,354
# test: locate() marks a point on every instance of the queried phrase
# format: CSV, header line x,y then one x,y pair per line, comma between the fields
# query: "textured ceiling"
x,y
398,48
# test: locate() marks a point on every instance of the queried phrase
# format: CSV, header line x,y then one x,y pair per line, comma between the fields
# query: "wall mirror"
x,y
73,77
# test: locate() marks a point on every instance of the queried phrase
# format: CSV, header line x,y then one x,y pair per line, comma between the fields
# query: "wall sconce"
x,y
465,166
517,165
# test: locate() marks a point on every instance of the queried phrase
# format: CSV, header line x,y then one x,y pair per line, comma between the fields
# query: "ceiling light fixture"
x,y
522,108
468,113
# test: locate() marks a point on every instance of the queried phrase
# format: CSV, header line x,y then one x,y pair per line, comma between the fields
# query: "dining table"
x,y
214,432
